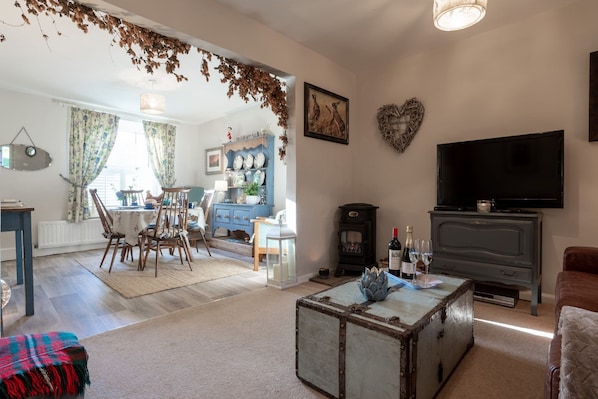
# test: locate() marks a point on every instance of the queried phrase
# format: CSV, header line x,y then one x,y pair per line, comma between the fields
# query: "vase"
x,y
252,199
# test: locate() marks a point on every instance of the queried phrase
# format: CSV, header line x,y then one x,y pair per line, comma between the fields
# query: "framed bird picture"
x,y
326,115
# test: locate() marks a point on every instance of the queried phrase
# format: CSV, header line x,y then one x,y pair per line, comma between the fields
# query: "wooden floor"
x,y
70,298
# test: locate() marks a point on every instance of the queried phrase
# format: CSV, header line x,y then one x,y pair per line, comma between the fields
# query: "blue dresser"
x,y
248,160
237,216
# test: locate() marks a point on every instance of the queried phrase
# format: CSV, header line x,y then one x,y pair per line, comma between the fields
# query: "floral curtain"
x,y
160,139
91,140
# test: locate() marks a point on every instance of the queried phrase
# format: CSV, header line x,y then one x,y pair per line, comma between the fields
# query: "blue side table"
x,y
19,221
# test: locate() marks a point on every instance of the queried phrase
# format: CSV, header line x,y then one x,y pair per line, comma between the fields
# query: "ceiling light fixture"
x,y
458,14
152,103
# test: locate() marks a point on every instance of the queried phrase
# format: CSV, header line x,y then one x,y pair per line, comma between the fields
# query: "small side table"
x,y
19,220
6,294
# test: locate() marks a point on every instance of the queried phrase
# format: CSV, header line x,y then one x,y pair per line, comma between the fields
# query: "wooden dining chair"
x,y
170,230
133,197
197,232
114,238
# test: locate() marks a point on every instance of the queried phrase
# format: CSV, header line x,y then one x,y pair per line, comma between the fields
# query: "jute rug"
x,y
130,283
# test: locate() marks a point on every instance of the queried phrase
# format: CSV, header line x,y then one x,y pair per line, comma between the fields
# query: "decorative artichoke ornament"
x,y
374,284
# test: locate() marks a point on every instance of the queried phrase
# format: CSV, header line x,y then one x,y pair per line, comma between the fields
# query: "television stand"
x,y
492,247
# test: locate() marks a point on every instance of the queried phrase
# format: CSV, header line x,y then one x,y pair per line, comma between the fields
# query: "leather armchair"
x,y
576,285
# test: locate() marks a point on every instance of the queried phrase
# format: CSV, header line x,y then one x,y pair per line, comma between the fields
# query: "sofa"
x,y
576,310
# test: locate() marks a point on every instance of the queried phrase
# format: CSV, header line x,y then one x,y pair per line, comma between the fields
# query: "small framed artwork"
x,y
326,115
214,161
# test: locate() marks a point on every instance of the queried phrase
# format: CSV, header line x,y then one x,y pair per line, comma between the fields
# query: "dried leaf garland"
x,y
156,51
282,151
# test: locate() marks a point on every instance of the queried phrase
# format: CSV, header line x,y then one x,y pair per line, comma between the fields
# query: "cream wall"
x,y
531,76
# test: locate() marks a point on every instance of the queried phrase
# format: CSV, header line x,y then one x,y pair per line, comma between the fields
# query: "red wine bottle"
x,y
394,253
408,268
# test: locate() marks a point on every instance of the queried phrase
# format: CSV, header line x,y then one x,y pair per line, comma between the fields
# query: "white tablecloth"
x,y
131,222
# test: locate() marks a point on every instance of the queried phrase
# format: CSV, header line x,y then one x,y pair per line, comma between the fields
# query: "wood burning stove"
x,y
357,238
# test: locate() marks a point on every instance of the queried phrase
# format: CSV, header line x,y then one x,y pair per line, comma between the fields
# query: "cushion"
x,y
579,353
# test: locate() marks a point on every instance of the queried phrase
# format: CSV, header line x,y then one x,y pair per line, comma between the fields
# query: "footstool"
x,y
51,364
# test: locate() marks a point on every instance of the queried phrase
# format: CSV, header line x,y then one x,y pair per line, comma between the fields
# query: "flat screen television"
x,y
525,171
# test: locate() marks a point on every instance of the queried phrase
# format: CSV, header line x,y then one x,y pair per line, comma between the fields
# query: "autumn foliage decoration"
x,y
151,51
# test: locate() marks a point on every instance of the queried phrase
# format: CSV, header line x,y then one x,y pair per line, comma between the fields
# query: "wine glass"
x,y
414,256
426,256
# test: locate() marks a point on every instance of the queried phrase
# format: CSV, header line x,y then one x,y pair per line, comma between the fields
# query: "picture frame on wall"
x,y
214,161
326,115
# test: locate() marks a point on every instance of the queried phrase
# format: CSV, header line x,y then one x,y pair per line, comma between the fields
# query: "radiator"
x,y
63,234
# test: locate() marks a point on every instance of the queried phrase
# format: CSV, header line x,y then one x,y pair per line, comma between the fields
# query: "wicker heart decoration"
x,y
398,125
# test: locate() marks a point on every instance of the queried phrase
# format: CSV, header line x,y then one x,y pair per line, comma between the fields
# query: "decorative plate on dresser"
x,y
248,161
259,177
238,162
239,179
259,160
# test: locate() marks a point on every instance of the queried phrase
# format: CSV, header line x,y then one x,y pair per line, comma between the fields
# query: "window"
x,y
128,166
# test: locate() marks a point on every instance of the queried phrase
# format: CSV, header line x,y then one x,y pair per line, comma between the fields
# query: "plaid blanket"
x,y
50,364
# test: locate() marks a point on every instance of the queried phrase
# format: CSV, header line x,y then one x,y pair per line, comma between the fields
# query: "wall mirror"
x,y
24,157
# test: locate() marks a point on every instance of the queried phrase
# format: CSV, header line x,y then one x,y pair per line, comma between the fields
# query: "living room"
x,y
509,81
530,76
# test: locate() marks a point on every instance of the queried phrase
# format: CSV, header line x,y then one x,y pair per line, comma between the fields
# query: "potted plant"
x,y
251,193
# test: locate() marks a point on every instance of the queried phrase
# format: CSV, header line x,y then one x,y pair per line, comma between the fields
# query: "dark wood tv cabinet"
x,y
493,247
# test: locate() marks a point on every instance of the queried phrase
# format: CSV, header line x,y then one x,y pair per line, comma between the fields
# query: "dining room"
x,y
41,115
46,115
52,236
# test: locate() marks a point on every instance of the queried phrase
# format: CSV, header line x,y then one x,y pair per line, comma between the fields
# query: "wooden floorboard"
x,y
70,298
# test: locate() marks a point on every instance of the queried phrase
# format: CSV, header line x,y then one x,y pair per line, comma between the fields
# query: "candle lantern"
x,y
280,256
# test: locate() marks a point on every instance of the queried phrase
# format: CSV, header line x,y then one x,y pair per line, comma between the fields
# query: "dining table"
x,y
131,221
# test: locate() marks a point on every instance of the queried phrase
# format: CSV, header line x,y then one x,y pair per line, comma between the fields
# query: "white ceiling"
x,y
88,69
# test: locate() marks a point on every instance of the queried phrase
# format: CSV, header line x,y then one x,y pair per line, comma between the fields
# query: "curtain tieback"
x,y
70,182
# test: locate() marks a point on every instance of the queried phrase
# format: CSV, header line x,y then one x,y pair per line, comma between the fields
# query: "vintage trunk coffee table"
x,y
403,347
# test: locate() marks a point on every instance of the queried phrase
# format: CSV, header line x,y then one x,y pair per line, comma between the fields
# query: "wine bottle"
x,y
394,253
408,268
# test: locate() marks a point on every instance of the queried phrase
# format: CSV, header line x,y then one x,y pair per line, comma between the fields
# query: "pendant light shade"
x,y
153,104
458,14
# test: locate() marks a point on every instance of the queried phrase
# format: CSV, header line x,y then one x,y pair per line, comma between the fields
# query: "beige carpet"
x,y
244,347
131,283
